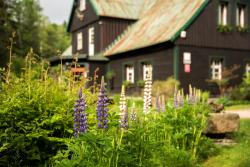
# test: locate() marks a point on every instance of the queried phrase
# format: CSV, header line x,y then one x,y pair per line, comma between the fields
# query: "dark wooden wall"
x,y
203,32
111,28
107,29
200,66
89,17
160,57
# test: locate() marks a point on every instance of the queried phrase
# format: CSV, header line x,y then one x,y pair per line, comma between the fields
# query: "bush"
x,y
36,117
242,92
165,87
171,138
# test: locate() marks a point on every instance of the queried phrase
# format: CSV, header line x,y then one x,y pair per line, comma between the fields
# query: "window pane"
x,y
91,41
79,41
216,68
129,73
82,5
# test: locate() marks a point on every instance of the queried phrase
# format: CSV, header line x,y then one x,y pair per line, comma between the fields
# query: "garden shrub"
x,y
166,87
170,138
242,92
36,117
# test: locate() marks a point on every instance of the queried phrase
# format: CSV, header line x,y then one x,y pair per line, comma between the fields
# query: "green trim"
x,y
94,5
190,21
176,55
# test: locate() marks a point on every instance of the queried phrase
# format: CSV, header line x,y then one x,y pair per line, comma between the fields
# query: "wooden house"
x,y
191,40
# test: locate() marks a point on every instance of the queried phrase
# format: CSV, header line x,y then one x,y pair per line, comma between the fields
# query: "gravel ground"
x,y
243,113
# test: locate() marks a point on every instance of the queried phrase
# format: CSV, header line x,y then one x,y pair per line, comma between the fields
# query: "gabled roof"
x,y
161,22
124,9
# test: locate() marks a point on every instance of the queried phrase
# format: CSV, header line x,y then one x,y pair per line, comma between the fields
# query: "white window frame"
x,y
248,69
240,15
130,73
91,40
79,41
147,71
216,69
223,14
82,5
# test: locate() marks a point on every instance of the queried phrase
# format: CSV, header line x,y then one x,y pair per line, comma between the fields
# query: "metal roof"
x,y
160,22
127,9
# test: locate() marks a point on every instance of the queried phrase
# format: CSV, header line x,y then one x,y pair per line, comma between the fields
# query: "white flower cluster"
x,y
148,93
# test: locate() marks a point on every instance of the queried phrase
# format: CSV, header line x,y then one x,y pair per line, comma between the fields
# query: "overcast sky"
x,y
58,11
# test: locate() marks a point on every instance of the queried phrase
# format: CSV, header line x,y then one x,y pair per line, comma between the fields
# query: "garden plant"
x,y
50,122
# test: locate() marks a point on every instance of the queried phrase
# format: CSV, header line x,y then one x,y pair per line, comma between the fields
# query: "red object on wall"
x,y
187,68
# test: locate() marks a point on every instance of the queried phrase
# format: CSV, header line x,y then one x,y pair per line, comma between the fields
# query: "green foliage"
x,y
239,154
242,29
242,92
228,74
140,83
7,25
33,30
171,138
127,84
224,28
225,100
36,116
110,74
54,38
165,87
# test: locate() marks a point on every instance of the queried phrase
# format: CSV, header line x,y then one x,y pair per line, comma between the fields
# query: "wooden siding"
x,y
111,28
203,32
89,17
106,31
101,72
200,66
161,59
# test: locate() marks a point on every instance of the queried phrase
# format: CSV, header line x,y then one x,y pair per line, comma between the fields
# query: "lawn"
x,y
237,155
239,107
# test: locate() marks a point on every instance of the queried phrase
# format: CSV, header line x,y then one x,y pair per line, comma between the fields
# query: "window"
x,y
223,13
91,41
216,69
147,71
240,15
79,41
82,5
248,69
130,73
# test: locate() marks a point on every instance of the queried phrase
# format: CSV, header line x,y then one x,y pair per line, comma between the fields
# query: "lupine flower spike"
x,y
180,99
101,109
163,104
123,109
176,103
148,93
158,101
191,98
133,115
80,116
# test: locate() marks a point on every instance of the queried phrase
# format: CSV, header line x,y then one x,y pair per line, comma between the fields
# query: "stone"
x,y
221,123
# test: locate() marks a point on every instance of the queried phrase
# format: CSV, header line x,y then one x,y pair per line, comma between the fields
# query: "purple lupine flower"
x,y
176,103
133,115
80,116
101,109
181,100
124,119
